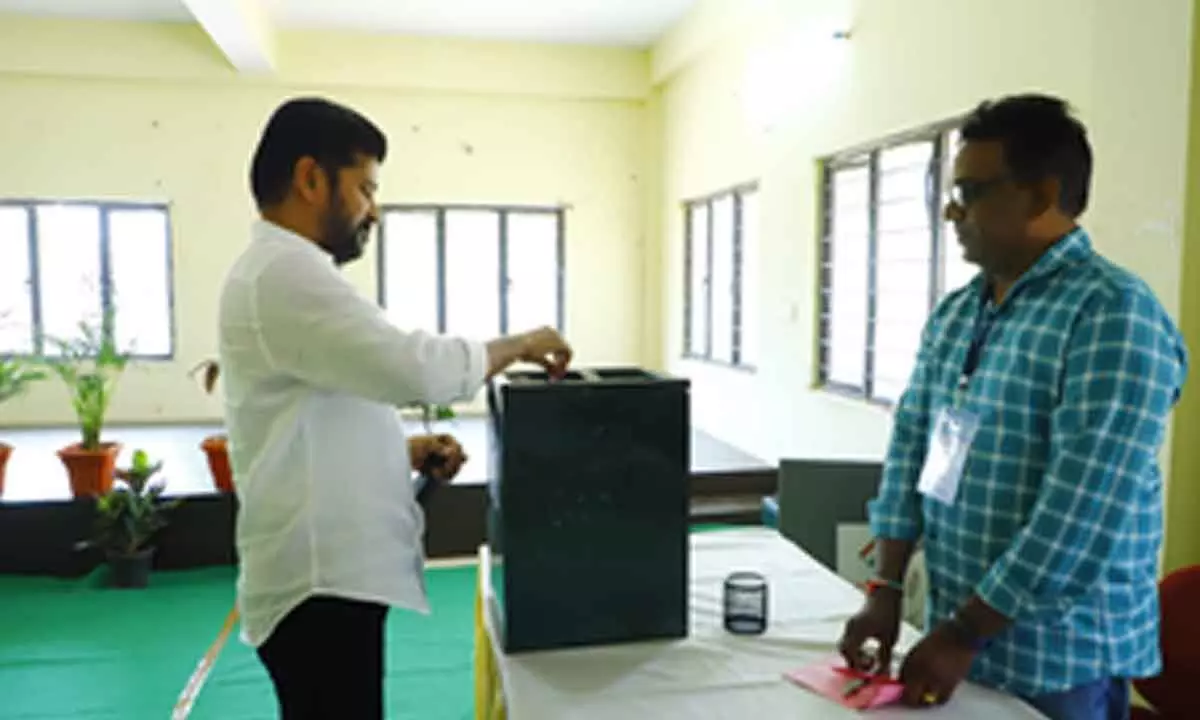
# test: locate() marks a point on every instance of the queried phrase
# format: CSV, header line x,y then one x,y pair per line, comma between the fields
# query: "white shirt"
x,y
312,375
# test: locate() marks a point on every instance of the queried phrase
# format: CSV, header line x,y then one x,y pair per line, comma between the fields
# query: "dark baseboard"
x,y
39,538
752,481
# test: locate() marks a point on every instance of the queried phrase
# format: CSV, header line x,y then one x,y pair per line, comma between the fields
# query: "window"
x,y
721,253
477,272
68,264
886,258
956,271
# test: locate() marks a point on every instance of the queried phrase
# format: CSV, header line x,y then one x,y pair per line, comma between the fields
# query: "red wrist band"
x,y
881,584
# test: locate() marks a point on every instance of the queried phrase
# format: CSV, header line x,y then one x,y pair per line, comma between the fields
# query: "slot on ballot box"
x,y
588,507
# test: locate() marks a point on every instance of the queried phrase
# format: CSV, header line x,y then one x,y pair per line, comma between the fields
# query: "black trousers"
x,y
326,660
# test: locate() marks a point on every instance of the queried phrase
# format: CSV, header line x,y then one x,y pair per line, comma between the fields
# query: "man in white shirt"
x,y
329,533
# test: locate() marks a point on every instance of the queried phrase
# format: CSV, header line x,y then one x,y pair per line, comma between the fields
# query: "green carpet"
x,y
70,649
74,649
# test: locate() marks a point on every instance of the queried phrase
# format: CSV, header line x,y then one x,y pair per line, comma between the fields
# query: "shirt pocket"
x,y
1019,376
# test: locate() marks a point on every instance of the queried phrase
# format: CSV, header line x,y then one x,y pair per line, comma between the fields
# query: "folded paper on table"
x,y
830,677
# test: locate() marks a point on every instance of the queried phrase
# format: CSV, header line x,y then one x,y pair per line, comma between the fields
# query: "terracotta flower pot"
x,y
215,449
5,451
90,471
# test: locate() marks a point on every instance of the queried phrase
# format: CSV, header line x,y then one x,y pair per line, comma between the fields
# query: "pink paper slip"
x,y
830,676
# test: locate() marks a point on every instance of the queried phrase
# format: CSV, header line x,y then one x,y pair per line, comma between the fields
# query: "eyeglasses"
x,y
966,191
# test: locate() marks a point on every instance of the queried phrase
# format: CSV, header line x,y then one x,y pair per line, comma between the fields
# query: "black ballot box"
x,y
588,507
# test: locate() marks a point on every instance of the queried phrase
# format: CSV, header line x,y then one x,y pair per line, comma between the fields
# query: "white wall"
x,y
114,110
144,111
1124,65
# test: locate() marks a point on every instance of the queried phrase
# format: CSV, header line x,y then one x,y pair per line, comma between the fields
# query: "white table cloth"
x,y
712,674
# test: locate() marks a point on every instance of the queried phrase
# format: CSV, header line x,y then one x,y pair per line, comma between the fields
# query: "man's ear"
x,y
1044,197
310,181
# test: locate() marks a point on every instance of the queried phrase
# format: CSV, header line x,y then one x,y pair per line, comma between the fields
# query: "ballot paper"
x,y
849,688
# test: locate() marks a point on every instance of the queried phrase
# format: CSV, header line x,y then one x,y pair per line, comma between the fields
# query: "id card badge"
x,y
949,444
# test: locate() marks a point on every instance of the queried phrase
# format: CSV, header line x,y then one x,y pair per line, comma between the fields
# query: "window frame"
x,y
502,212
104,208
938,179
738,302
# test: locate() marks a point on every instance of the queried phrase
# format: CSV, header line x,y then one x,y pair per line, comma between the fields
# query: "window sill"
x,y
846,394
156,359
736,367
34,359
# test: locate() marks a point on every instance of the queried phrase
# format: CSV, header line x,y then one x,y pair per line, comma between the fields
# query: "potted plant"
x,y
15,379
128,516
91,367
215,447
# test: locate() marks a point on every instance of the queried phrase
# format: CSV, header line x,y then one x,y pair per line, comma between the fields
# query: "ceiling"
x,y
594,22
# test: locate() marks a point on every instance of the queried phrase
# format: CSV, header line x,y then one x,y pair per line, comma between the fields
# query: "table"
x,y
711,674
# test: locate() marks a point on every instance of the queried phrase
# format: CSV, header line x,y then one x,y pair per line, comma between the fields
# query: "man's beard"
x,y
342,238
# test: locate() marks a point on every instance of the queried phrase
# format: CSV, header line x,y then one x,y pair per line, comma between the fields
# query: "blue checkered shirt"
x,y
1058,519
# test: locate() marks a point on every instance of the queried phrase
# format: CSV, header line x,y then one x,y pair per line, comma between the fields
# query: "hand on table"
x,y
439,456
879,620
937,665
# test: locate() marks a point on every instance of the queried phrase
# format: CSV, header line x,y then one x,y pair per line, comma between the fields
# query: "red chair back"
x,y
1172,693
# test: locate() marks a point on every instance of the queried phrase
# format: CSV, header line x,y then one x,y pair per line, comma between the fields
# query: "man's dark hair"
x,y
1041,139
331,134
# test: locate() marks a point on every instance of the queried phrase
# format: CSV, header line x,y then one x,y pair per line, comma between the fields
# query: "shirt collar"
x,y
265,230
1074,246
1071,248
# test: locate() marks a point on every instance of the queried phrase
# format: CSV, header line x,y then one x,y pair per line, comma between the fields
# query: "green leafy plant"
x,y
91,367
16,377
133,511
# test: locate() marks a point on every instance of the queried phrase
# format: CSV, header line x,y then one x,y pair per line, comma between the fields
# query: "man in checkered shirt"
x,y
1042,548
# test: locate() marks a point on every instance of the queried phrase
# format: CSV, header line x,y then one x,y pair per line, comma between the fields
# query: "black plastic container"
x,y
588,507
130,570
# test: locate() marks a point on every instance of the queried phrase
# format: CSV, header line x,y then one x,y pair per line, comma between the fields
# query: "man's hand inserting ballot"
x,y
438,456
544,347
